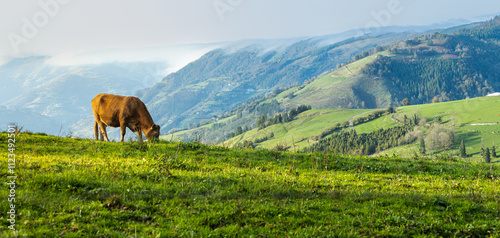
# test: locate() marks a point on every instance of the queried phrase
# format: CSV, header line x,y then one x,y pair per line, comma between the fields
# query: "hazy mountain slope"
x,y
30,121
224,78
63,93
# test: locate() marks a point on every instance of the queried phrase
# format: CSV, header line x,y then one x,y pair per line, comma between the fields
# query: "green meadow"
x,y
474,120
78,187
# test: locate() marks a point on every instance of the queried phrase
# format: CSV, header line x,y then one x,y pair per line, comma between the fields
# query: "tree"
x,y
438,119
435,99
391,110
486,156
261,121
482,147
463,153
405,102
422,146
493,153
239,130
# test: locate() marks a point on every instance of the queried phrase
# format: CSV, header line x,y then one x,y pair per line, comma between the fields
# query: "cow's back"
x,y
111,108
105,103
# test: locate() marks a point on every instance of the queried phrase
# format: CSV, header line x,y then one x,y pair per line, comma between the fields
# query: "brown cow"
x,y
120,111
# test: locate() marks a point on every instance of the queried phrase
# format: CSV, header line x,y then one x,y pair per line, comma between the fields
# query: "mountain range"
x,y
225,78
432,67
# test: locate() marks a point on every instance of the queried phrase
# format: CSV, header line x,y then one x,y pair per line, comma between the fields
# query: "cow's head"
x,y
153,133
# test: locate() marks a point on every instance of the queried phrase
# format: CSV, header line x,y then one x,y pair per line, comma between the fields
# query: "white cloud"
x,y
92,26
175,56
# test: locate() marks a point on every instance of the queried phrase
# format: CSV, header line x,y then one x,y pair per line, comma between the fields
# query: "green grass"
x,y
383,122
76,187
475,110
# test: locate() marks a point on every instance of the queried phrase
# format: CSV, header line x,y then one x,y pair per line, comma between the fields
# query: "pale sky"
x,y
53,27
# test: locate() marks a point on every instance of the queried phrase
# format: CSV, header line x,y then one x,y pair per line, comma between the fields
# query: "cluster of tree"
x,y
486,154
374,115
485,31
432,137
239,130
263,122
362,55
421,81
348,142
439,137
262,139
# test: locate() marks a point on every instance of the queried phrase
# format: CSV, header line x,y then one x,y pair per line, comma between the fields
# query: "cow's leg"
x,y
139,134
103,131
96,131
123,128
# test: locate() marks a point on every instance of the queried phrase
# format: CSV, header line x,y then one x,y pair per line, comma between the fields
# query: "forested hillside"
x,y
442,67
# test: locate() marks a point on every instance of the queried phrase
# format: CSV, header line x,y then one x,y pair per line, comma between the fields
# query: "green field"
x,y
473,119
78,187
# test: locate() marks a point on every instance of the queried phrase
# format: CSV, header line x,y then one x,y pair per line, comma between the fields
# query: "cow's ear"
x,y
155,127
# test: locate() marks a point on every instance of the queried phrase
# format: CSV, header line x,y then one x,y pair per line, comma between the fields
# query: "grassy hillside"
x,y
473,119
345,87
76,187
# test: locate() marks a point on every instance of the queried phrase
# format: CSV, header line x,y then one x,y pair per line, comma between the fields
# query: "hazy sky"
x,y
54,27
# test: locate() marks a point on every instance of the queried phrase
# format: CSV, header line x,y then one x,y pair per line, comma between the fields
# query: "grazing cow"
x,y
120,111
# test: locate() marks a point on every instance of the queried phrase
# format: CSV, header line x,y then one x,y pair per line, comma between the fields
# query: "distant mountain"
x,y
227,77
33,88
30,121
